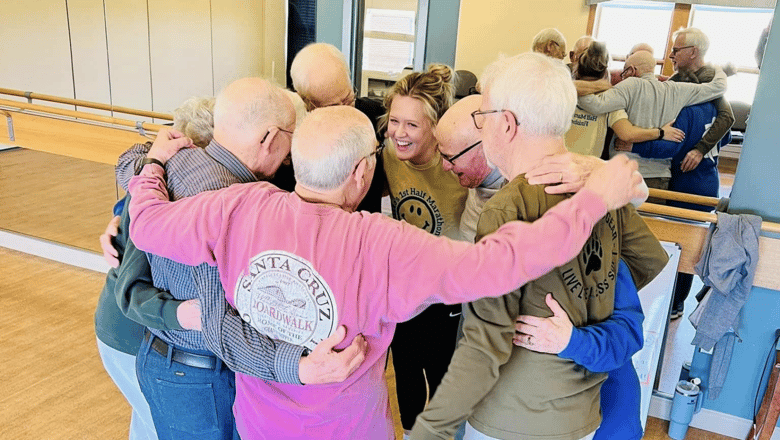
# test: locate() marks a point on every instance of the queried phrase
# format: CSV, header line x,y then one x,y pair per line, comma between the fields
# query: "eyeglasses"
x,y
451,159
348,100
278,128
478,116
377,151
677,49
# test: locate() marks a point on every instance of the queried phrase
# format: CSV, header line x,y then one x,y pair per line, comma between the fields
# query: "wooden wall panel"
x,y
35,48
237,33
128,53
180,48
90,56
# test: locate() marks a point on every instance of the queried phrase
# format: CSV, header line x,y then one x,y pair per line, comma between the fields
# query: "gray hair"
x,y
195,118
537,89
694,37
301,69
327,172
545,36
254,111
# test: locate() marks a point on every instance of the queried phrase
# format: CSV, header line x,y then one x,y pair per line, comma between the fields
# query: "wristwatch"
x,y
661,134
148,160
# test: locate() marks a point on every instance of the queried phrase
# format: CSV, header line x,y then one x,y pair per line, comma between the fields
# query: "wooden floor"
x,y
54,386
54,197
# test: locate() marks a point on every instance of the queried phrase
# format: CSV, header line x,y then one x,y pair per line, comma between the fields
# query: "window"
x,y
622,24
734,34
389,40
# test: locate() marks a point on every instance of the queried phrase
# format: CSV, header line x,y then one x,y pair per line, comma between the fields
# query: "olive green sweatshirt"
x,y
510,392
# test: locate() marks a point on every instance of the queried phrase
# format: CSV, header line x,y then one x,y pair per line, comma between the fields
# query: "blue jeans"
x,y
187,402
121,367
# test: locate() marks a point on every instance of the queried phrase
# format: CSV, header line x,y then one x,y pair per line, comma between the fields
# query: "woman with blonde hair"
x,y
422,193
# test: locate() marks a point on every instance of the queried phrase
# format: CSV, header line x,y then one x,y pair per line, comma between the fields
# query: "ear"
x,y
360,175
267,147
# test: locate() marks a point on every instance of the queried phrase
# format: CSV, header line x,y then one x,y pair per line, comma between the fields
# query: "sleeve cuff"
x,y
576,341
286,363
170,320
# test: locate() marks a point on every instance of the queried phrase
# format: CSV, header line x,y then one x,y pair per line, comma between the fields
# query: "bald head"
x,y
580,46
642,61
246,107
327,145
641,46
455,132
320,75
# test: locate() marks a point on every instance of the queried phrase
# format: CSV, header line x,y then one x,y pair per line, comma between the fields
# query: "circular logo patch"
x,y
284,298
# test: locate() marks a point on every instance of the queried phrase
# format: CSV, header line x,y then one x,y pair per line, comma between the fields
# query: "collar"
x,y
229,161
494,180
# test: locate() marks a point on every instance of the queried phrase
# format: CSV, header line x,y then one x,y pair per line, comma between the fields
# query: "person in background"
x,y
550,42
580,46
320,75
588,132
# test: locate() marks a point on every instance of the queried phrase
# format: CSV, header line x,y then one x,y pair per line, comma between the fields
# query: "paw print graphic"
x,y
592,254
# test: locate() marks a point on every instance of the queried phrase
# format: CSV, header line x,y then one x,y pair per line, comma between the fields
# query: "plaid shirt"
x,y
242,348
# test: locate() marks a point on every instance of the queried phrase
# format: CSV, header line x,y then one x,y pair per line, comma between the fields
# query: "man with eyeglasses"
x,y
185,374
320,75
651,103
530,392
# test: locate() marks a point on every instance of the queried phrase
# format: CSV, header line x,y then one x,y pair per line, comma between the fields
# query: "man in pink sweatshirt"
x,y
298,265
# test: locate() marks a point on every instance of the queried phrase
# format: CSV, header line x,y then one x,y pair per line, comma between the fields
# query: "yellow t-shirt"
x,y
425,196
588,131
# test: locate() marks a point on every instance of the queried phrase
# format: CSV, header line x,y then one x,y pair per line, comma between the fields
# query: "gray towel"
x,y
728,265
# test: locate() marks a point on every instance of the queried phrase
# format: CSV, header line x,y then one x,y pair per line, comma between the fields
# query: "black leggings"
x,y
425,342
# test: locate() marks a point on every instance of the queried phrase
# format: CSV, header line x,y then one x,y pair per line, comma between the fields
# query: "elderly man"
x,y
606,346
519,393
651,103
325,265
320,75
687,55
253,123
550,42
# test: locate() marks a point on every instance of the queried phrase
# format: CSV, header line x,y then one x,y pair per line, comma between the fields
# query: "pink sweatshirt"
x,y
297,270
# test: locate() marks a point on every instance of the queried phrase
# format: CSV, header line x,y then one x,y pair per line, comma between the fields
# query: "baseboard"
x,y
707,419
53,251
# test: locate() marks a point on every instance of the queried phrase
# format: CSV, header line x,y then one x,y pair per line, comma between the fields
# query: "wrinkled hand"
x,y
617,182
544,335
621,145
110,254
691,161
672,133
188,314
566,172
325,364
168,143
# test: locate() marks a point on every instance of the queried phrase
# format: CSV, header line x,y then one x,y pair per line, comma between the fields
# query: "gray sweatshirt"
x,y
652,103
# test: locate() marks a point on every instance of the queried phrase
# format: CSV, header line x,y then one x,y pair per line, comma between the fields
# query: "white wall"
x,y
131,56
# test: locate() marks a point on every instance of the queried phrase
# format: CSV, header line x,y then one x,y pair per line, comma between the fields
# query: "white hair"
x,y
195,119
328,172
536,88
694,37
303,67
300,106
546,35
254,111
